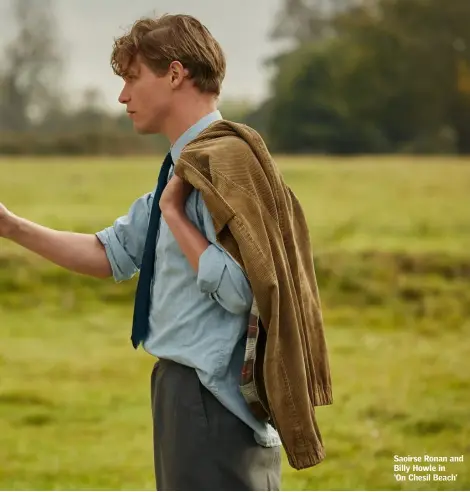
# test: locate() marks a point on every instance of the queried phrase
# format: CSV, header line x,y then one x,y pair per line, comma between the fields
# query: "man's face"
x,y
147,97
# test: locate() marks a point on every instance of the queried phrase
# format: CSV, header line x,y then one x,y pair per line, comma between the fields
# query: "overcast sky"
x,y
89,26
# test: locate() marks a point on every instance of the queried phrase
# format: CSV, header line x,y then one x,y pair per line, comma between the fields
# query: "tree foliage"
x,y
31,66
388,75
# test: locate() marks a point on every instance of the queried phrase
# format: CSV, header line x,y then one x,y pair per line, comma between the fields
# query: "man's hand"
x,y
6,221
174,195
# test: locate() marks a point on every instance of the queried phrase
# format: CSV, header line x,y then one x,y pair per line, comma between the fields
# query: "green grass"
x,y
391,238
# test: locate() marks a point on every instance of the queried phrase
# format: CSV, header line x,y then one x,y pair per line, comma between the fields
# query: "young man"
x,y
215,240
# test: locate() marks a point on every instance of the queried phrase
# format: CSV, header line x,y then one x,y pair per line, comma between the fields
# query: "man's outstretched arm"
x,y
80,253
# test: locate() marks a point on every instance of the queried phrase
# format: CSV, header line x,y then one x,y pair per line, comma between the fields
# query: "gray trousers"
x,y
198,443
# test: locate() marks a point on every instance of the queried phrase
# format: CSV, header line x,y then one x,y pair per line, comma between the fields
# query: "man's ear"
x,y
177,73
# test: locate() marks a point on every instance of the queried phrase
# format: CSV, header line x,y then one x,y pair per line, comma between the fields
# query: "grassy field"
x,y
391,239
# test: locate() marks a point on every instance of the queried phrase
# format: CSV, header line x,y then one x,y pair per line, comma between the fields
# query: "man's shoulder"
x,y
222,134
223,144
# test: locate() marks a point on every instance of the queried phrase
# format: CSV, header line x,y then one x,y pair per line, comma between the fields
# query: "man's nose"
x,y
124,97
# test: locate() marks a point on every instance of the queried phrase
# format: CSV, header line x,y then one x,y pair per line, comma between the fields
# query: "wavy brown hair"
x,y
162,40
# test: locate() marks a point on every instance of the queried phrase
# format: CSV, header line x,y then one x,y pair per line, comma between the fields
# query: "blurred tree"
x,y
417,51
31,66
235,109
315,108
91,114
380,75
304,21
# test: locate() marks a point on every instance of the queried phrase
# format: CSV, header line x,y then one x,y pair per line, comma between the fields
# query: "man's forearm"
x,y
187,235
81,253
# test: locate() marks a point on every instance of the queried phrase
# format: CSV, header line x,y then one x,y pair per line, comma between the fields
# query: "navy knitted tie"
x,y
140,324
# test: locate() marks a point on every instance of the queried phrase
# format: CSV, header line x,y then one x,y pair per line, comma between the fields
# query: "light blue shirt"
x,y
196,319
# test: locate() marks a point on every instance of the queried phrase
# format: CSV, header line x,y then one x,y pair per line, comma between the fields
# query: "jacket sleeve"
x,y
124,241
219,275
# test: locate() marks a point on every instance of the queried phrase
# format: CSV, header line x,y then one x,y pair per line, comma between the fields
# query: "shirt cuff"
x,y
211,268
122,266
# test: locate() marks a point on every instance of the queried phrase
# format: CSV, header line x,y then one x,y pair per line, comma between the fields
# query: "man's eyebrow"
x,y
131,74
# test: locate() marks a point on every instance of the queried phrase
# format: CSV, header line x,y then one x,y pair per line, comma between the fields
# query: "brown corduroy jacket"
x,y
260,222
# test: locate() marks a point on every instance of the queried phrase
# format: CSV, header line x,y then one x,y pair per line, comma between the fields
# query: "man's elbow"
x,y
236,305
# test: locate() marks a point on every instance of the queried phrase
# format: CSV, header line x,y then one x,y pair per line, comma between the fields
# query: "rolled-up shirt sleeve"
x,y
219,275
124,241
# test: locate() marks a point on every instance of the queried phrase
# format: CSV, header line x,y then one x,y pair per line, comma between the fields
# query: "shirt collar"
x,y
192,132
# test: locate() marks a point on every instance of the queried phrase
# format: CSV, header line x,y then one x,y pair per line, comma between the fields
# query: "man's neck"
x,y
188,117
